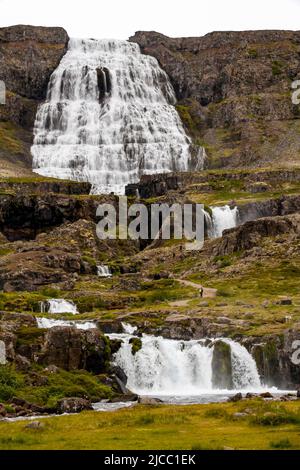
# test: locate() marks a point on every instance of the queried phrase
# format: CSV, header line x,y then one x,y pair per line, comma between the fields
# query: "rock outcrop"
x,y
221,366
175,183
28,56
71,349
62,347
248,235
234,92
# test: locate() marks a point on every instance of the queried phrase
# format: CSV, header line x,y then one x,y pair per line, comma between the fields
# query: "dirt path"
x,y
207,291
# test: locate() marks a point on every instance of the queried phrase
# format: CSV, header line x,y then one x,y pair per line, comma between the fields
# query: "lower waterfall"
x,y
221,218
173,367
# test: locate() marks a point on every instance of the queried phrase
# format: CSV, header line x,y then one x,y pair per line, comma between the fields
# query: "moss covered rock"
x,y
136,345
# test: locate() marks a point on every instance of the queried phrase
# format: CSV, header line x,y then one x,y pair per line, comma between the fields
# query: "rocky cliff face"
x,y
234,92
28,56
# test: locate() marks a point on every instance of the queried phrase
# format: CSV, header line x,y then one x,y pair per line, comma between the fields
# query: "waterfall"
x,y
223,217
172,367
244,370
103,271
58,306
109,117
51,323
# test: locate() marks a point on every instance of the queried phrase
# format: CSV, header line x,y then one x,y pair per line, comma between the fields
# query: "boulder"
x,y
35,425
149,401
119,372
22,363
73,405
266,395
284,301
236,397
119,385
52,369
136,345
3,411
258,187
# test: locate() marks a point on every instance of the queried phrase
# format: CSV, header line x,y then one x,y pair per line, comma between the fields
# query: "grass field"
x,y
258,425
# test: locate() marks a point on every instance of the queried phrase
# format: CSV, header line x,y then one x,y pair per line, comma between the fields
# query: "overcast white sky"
x,y
121,18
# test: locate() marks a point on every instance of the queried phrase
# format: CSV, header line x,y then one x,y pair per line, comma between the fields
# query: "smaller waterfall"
x,y
222,218
58,306
244,370
129,329
173,367
103,271
51,323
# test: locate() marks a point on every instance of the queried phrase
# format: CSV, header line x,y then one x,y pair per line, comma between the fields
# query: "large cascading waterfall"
x,y
221,218
109,117
172,367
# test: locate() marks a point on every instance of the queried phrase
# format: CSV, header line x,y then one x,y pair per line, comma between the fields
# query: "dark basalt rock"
x,y
236,397
71,349
221,366
104,83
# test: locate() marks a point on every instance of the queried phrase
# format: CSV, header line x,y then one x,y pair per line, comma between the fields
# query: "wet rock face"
x,y
275,358
71,349
221,366
282,206
104,83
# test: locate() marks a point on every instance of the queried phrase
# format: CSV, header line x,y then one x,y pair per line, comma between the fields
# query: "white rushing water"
x,y
58,306
51,323
172,367
103,271
222,218
109,117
